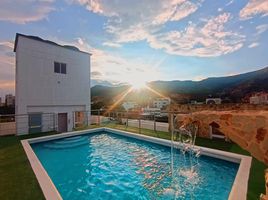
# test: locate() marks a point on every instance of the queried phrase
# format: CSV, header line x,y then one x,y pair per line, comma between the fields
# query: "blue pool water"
x,y
108,166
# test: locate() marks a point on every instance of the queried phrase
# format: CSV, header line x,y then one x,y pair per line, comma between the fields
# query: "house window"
x,y
56,67
60,68
63,68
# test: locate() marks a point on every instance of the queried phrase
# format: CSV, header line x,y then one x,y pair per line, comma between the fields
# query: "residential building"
x,y
194,102
150,111
10,100
161,102
213,101
129,105
259,98
50,78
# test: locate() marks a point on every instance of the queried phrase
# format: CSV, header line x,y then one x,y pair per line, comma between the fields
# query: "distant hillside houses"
x,y
161,102
259,98
129,105
156,105
213,101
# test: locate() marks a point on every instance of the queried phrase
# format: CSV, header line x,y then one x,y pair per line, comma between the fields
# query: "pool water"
x,y
109,166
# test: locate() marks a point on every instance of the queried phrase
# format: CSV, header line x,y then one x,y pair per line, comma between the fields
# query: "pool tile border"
x,y
239,188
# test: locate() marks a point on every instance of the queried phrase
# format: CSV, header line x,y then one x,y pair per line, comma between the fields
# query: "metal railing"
x,y
27,123
153,123
150,123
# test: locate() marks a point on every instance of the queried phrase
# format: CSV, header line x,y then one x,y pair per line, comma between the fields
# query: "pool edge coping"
x,y
239,186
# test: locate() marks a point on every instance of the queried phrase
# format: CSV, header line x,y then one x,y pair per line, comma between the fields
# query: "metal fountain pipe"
x,y
172,143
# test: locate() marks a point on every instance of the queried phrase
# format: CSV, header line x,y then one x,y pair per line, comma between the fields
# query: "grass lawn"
x,y
17,180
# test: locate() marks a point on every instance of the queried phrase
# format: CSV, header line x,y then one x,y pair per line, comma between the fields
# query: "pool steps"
x,y
67,143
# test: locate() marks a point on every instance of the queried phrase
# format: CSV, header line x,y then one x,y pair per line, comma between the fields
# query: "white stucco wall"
x,y
39,89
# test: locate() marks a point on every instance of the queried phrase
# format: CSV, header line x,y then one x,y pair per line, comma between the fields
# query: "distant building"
x,y
194,102
50,78
213,101
150,111
129,105
161,102
259,98
10,100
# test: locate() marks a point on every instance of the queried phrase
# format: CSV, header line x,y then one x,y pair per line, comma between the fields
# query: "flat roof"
x,y
32,37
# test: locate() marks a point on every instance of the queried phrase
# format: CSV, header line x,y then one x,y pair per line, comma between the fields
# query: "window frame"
x,y
60,68
57,67
63,66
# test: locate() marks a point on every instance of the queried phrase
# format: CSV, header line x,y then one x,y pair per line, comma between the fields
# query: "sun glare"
x,y
139,79
138,84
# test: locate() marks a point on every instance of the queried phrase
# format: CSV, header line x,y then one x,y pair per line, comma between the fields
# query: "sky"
x,y
143,40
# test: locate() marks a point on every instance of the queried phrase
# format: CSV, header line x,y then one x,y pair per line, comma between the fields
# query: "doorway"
x,y
62,122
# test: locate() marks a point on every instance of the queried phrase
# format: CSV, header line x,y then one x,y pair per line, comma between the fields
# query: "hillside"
x,y
233,87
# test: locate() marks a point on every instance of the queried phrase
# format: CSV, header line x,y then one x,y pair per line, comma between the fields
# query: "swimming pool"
x,y
108,164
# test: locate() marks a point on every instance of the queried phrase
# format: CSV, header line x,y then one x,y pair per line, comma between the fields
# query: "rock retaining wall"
x,y
249,129
186,108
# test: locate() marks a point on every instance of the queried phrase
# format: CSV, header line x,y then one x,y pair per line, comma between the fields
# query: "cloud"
x,y
24,11
209,40
96,74
254,44
107,66
261,29
144,20
130,21
6,54
254,7
230,2
7,68
111,44
80,41
176,13
220,9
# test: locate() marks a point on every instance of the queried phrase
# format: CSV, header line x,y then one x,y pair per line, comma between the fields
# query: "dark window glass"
x,y
56,67
63,68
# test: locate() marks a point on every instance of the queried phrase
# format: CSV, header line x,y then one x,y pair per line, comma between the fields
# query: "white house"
x,y
50,78
259,98
151,111
213,101
161,102
129,105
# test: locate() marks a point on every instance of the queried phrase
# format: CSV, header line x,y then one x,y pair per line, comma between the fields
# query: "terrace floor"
x,y
17,180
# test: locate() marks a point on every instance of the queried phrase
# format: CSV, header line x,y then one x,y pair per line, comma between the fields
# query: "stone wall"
x,y
186,108
7,128
249,129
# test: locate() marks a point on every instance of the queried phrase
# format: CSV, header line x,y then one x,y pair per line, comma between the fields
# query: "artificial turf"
x,y
17,180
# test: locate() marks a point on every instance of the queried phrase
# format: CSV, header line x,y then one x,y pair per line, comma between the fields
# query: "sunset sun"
x,y
138,84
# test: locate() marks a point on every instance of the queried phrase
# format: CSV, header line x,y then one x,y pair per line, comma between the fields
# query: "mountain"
x,y
210,85
234,87
95,82
107,91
